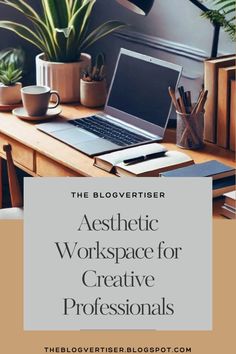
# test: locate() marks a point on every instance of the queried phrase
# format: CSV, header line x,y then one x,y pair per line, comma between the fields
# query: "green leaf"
x,y
23,7
42,31
230,5
23,32
221,15
15,56
61,46
66,31
84,22
76,5
61,31
57,12
9,74
78,22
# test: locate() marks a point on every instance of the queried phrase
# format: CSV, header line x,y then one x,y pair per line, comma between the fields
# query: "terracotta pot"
x,y
62,77
93,94
10,94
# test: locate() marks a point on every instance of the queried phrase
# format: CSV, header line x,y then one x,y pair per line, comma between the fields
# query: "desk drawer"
x,y
46,167
22,155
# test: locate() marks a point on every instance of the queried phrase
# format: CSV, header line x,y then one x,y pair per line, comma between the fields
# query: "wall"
x,y
10,39
173,31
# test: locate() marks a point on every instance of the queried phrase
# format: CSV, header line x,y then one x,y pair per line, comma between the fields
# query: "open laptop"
x,y
136,112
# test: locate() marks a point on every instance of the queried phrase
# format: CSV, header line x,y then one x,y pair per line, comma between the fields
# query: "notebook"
x,y
223,176
114,162
213,168
230,199
108,162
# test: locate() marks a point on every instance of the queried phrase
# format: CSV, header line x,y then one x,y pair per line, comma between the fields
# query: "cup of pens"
x,y
190,119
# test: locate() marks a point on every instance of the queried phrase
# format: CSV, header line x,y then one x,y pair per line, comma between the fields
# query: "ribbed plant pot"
x,y
62,77
10,95
94,93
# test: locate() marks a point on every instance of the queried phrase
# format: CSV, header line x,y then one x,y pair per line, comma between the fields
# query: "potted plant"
x,y
13,55
61,34
93,88
11,68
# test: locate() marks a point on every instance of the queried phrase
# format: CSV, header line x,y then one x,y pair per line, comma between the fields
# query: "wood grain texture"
x,y
27,134
1,183
53,158
38,142
14,186
211,68
223,109
20,153
232,132
47,168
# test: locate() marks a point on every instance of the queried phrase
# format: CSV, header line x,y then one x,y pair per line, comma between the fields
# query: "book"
x,y
230,199
232,129
223,176
114,162
228,212
223,185
213,168
107,162
211,84
223,108
172,159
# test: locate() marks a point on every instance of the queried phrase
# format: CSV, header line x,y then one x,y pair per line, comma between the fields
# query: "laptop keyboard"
x,y
109,131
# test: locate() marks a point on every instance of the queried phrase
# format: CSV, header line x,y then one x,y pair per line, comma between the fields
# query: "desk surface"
x,y
27,134
49,157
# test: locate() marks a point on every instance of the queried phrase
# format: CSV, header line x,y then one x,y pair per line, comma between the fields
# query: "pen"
x,y
138,159
185,98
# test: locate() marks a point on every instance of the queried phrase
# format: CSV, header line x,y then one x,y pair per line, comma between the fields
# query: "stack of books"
x,y
223,176
220,115
229,207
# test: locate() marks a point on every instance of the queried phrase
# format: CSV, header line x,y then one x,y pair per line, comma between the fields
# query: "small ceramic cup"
x,y
93,94
36,99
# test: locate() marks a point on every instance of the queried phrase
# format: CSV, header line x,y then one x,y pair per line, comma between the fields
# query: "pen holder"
x,y
189,132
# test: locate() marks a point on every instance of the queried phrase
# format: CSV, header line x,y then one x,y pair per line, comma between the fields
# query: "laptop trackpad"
x,y
73,135
96,146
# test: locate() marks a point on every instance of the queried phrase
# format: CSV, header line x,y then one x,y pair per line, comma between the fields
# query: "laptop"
x,y
137,109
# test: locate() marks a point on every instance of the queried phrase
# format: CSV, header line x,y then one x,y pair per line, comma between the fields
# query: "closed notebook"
x,y
211,68
223,176
223,185
213,168
223,109
228,212
230,199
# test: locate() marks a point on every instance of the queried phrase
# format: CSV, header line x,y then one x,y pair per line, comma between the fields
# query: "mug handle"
x,y
58,99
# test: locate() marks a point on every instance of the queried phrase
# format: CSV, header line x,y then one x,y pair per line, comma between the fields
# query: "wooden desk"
x,y
40,155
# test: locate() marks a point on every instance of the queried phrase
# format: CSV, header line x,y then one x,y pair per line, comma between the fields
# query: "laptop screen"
x,y
140,88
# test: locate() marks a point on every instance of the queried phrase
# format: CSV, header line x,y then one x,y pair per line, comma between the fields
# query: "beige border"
x,y
219,341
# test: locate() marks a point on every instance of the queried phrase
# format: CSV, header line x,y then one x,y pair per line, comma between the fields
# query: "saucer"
x,y
22,114
9,107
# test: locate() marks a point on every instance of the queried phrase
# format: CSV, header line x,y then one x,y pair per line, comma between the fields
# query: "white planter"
x,y
62,77
10,94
